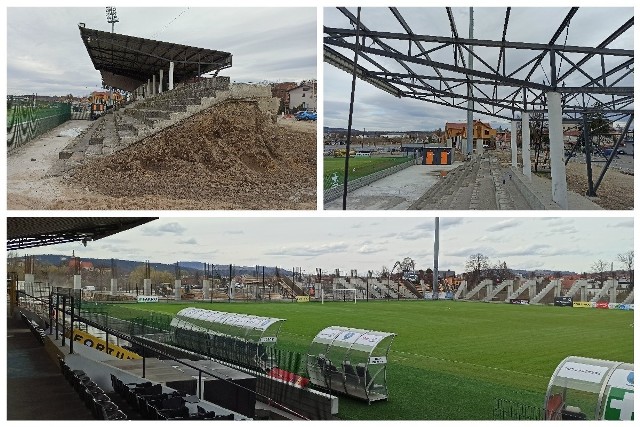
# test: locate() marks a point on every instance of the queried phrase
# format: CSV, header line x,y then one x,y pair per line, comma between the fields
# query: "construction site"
x,y
567,98
181,137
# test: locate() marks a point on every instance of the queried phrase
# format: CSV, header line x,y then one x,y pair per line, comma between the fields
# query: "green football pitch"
x,y
452,360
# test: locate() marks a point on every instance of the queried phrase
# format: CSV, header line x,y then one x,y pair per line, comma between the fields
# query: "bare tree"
x,y
626,259
600,269
476,267
499,272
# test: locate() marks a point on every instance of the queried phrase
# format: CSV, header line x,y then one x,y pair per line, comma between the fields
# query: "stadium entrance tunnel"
x,y
239,338
350,361
590,389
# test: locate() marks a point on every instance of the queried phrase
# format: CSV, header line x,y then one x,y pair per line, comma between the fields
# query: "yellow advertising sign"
x,y
582,304
303,298
101,345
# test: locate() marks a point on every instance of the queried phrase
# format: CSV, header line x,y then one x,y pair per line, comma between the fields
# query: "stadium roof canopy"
x,y
127,62
31,232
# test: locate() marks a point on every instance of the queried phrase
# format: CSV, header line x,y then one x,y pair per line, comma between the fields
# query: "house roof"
x,y
126,62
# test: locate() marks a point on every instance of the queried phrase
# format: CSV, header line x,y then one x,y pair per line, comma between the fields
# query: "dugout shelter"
x,y
241,338
590,389
351,361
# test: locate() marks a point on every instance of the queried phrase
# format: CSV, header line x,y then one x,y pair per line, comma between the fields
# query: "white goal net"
x,y
344,294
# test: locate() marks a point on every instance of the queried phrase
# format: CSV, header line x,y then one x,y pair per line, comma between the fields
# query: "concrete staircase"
x,y
297,291
476,290
461,289
573,290
604,292
496,290
478,184
524,287
540,295
628,299
413,291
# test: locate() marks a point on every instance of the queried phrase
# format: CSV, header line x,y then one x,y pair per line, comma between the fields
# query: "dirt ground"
x,y
228,157
615,191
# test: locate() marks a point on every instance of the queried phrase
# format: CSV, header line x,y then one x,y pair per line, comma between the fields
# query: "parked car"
x,y
306,115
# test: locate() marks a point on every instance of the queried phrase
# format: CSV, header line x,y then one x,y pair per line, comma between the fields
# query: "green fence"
x,y
27,118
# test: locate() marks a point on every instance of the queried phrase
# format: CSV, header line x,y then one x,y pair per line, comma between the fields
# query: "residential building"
x,y
304,96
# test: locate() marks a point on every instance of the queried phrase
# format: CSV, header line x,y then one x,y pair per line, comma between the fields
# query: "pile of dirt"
x,y
230,155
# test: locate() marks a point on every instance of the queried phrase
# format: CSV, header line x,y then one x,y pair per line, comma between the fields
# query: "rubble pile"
x,y
231,156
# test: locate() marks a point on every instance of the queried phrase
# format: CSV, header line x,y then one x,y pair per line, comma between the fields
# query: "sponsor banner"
x,y
101,345
583,304
348,337
622,306
602,305
519,301
621,378
563,301
268,339
582,372
289,377
328,334
145,298
448,295
369,340
302,298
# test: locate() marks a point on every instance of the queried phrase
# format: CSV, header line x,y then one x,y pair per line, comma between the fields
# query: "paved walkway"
x,y
36,389
395,192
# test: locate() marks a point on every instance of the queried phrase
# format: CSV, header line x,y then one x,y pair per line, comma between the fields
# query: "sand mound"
x,y
231,154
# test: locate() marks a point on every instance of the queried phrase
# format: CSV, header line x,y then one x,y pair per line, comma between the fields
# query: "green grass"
x,y
452,360
358,167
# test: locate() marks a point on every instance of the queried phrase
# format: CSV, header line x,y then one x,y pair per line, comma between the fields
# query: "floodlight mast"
x,y
436,250
112,17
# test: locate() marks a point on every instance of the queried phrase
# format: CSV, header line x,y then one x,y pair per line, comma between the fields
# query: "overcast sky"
x,y
378,110
45,53
364,244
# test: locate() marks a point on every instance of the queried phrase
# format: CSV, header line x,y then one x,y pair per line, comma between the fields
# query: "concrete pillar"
x,y
114,286
161,82
177,286
147,287
556,151
206,290
148,92
558,289
526,146
155,87
583,293
514,144
29,280
479,147
612,292
77,282
171,75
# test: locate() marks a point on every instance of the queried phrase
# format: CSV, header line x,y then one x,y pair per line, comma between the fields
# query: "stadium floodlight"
x,y
112,17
